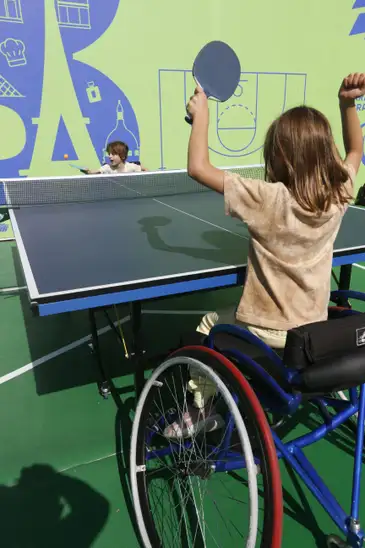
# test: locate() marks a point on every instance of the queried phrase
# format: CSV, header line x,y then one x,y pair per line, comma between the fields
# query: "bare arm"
x,y
199,166
352,88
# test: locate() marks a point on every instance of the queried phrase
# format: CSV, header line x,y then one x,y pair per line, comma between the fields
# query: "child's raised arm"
x,y
352,87
199,166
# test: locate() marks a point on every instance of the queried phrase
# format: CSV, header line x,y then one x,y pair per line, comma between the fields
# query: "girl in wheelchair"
x,y
293,218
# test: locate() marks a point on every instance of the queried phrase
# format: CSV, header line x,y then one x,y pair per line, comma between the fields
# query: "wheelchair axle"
x,y
201,469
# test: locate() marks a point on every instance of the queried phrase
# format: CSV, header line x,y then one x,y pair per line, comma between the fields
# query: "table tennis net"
x,y
89,188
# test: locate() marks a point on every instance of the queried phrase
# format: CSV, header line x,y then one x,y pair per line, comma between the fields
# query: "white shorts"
x,y
272,337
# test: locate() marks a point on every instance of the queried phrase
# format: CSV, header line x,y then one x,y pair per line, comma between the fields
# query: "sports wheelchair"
x,y
221,486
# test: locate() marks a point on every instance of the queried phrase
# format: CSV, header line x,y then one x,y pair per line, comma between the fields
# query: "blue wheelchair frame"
x,y
284,403
281,402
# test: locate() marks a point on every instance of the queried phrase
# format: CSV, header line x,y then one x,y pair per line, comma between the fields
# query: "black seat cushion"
x,y
340,373
311,344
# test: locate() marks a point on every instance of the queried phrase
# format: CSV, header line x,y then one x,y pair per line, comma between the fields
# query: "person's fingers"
x,y
361,80
355,80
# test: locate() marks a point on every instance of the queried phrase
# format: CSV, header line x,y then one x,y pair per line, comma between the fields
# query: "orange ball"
x,y
65,156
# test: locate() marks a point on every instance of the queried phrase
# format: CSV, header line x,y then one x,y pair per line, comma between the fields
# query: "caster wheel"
x,y
104,390
333,541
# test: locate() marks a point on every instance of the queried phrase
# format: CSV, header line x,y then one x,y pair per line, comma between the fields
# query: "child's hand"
x,y
198,104
353,86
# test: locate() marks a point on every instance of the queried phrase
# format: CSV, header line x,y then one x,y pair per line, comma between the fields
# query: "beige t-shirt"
x,y
127,167
290,253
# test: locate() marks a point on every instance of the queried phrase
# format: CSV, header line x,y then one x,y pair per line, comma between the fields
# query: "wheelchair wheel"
x,y
203,490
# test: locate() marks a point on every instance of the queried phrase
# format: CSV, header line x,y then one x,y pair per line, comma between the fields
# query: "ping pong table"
x,y
88,243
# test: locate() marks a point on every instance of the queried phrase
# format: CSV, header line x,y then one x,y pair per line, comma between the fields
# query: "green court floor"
x,y
63,451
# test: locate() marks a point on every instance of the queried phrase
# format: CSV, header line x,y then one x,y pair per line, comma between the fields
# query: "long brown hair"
x,y
300,152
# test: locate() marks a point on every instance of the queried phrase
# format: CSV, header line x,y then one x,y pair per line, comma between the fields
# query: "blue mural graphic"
x,y
359,28
237,126
11,11
21,74
107,112
111,116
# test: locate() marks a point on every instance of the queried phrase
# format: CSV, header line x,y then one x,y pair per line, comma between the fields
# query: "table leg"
x,y
137,351
345,276
345,282
104,387
136,318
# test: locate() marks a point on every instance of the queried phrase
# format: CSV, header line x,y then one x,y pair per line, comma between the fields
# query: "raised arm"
x,y
199,166
352,87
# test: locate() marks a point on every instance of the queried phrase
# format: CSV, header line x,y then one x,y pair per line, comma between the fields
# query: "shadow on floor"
x,y
45,508
123,430
301,512
65,341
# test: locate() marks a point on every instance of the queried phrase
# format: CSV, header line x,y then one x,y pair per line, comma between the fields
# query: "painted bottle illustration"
x,y
93,93
122,133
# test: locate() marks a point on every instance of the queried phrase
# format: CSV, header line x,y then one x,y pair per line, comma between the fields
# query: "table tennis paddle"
x,y
217,71
82,169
